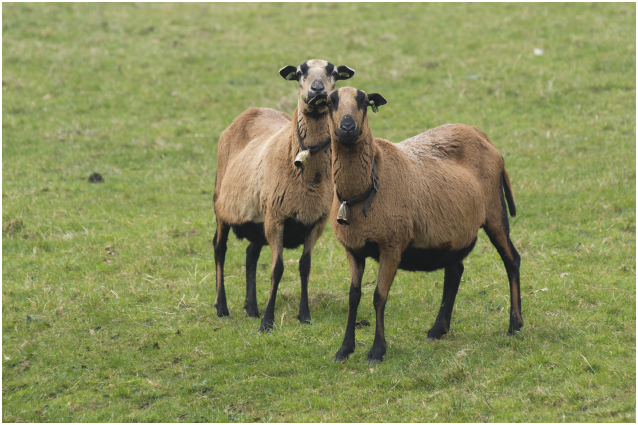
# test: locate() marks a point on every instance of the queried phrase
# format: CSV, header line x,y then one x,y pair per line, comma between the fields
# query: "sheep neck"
x,y
313,130
352,165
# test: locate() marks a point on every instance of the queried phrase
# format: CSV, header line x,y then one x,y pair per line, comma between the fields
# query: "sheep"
x,y
415,205
274,185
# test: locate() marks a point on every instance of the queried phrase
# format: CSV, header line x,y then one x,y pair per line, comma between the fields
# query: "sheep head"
x,y
348,109
315,77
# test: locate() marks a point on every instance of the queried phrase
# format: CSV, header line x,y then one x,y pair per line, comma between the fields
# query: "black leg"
x,y
304,272
376,353
388,265
513,274
512,261
219,244
357,266
451,282
252,256
498,230
269,315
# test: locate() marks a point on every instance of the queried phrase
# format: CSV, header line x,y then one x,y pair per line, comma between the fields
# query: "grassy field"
x,y
108,288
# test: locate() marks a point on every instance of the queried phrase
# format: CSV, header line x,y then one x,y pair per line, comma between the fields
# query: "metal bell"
x,y
344,214
302,159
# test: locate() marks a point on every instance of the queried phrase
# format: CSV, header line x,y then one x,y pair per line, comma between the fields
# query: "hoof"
x,y
436,333
253,313
222,311
303,319
266,326
342,354
338,359
514,328
372,362
375,356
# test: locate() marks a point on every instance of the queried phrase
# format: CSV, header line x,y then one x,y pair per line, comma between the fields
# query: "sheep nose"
x,y
317,87
347,124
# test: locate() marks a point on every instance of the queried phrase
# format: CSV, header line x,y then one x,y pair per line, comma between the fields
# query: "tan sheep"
x,y
267,198
432,194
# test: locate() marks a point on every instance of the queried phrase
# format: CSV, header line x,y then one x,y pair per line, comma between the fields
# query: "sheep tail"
x,y
507,186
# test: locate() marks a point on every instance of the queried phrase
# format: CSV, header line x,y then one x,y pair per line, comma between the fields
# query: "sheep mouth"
x,y
311,96
347,137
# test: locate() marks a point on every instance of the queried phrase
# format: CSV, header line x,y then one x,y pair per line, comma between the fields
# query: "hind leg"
x,y
219,244
499,236
252,256
451,282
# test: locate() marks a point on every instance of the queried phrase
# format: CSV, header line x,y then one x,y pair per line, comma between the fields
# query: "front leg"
x,y
357,266
388,265
275,236
451,282
304,270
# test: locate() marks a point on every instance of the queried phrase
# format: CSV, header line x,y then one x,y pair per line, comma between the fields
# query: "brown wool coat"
x,y
434,189
258,181
262,195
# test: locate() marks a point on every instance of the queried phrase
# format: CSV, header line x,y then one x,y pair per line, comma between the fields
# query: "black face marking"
x,y
361,101
304,68
330,69
334,100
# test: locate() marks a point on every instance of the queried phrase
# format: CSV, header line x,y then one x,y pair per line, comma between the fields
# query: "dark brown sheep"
x,y
435,191
268,199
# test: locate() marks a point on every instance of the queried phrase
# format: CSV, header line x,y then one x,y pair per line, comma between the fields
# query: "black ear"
x,y
375,100
318,100
288,72
343,72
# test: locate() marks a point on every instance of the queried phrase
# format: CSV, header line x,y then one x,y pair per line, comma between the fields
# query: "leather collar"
x,y
369,194
312,149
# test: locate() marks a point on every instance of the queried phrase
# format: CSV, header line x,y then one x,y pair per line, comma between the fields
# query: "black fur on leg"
x,y
376,353
451,282
269,315
219,245
514,276
304,272
252,257
500,238
348,345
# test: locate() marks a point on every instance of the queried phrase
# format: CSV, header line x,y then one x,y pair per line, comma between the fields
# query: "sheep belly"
x,y
420,259
295,232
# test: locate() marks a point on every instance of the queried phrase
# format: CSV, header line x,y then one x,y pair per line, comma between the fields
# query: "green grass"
x,y
140,94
